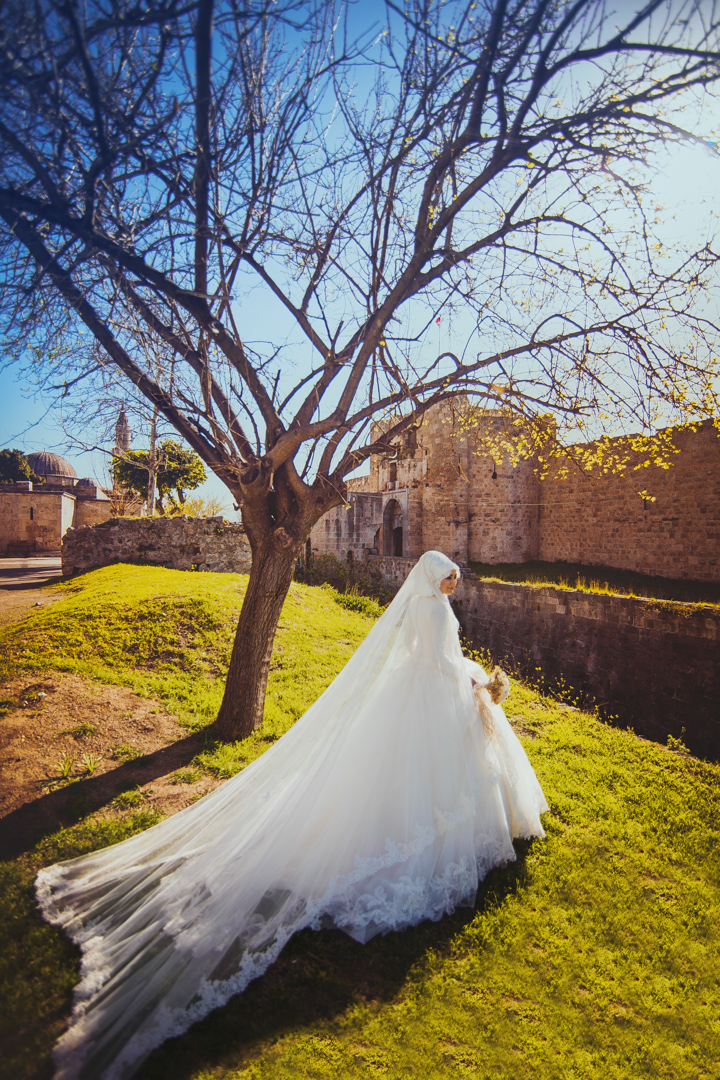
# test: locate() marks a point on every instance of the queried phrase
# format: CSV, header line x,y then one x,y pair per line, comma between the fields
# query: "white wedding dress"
x,y
384,805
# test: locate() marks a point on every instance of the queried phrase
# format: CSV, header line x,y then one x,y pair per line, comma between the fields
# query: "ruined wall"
x,y
458,500
349,528
448,498
33,519
602,521
179,543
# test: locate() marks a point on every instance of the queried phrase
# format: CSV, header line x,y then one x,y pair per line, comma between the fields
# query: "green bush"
x,y
355,602
128,799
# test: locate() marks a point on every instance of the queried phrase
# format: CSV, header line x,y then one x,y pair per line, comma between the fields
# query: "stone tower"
x,y
122,434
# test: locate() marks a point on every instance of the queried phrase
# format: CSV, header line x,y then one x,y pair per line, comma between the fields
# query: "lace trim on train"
x,y
385,906
409,902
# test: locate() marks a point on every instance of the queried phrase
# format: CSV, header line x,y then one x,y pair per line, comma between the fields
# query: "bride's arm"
x,y
478,675
432,637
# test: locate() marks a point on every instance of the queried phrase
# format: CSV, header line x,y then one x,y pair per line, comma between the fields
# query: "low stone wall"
x,y
655,665
394,568
179,543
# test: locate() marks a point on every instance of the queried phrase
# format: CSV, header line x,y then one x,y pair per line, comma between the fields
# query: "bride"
x,y
385,804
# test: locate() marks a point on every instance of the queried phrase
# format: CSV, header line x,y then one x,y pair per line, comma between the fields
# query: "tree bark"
x,y
243,703
152,471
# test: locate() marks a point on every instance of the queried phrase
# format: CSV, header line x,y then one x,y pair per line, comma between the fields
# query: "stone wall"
x,y
35,520
90,512
441,491
352,527
653,664
393,570
601,520
179,543
36,517
473,508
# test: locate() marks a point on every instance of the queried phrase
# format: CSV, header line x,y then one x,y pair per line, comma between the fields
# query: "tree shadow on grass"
x,y
21,829
317,978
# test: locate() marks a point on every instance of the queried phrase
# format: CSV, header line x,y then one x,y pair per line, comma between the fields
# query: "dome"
x,y
89,488
49,465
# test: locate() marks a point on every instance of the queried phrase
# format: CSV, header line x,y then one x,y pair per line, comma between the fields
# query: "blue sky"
x,y
685,185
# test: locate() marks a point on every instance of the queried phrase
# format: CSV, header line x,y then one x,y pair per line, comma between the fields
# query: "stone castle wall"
x,y
443,492
603,521
178,543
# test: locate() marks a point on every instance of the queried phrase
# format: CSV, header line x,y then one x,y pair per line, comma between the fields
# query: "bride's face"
x,y
447,585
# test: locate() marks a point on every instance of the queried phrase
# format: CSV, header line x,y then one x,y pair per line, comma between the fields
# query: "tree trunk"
x,y
152,470
243,704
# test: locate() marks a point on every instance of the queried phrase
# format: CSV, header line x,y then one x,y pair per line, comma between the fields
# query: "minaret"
x,y
122,434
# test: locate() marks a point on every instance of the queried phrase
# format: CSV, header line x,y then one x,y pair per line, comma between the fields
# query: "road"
x,y
23,585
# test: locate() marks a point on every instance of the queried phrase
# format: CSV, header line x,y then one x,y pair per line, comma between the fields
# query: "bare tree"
x,y
482,164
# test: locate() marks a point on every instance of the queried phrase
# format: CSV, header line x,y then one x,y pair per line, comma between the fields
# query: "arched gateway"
x,y
393,528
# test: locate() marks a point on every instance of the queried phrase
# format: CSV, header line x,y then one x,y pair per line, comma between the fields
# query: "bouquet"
x,y
494,692
499,686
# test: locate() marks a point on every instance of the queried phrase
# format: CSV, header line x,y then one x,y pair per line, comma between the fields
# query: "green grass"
x,y
596,956
185,776
149,629
600,579
38,966
124,752
128,799
81,731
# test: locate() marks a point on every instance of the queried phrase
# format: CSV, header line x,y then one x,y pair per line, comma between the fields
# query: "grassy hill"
x,y
595,955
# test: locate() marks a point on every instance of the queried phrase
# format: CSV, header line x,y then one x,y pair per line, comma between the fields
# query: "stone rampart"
x,y
393,568
444,492
179,543
601,521
655,665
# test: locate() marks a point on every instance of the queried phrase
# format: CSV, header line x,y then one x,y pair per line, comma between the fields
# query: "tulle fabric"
x,y
384,805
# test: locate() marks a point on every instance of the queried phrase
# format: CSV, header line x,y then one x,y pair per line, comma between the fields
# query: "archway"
x,y
392,528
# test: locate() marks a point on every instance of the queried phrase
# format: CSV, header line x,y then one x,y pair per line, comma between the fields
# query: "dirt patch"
x,y
116,740
17,604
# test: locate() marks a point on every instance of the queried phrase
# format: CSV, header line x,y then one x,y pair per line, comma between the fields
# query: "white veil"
x,y
363,816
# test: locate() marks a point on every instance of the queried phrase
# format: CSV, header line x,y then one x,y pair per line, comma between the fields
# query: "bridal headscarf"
x,y
427,575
